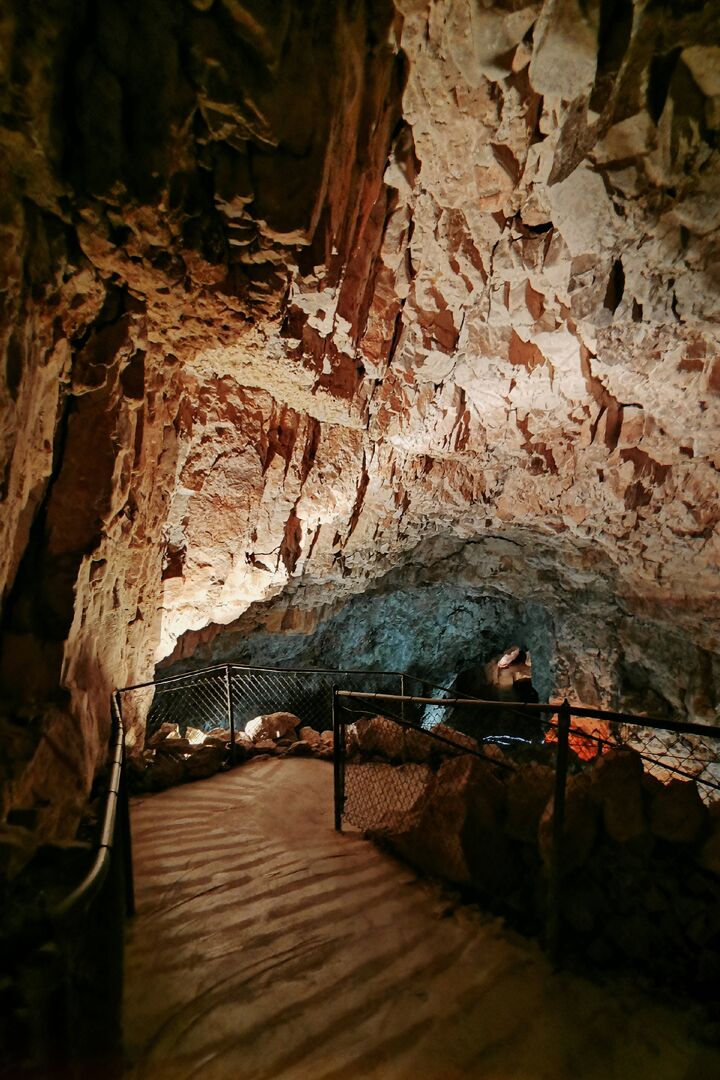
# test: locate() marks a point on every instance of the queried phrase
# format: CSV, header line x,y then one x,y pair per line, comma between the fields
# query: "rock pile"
x,y
426,289
640,859
171,758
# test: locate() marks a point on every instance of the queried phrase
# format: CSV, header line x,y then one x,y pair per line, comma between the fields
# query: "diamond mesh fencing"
x,y
206,700
677,756
597,830
666,754
199,702
392,771
387,772
307,694
426,793
388,764
203,701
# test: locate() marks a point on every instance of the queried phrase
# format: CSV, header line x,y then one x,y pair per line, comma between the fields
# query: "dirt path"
x,y
266,945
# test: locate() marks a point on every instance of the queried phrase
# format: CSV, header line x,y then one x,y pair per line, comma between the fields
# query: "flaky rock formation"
x,y
308,299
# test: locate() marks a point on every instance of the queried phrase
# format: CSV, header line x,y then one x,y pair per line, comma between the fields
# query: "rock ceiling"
x,y
300,293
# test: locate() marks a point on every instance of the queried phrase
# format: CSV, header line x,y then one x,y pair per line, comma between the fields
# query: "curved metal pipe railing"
x,y
110,830
114,830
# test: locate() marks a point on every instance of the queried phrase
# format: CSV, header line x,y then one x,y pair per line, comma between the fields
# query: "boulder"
x,y
385,800
171,745
272,726
309,735
165,771
580,830
194,736
263,746
488,851
299,749
458,738
205,761
528,790
218,733
165,731
380,737
462,801
677,813
495,753
617,779
418,746
325,747
242,752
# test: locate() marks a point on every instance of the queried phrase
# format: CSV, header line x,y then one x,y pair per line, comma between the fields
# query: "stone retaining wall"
x,y
641,859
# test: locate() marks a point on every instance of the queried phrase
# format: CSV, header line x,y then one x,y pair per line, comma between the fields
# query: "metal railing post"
x,y
402,693
231,718
556,861
338,752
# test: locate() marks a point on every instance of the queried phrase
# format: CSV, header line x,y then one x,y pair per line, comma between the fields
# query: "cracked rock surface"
x,y
325,300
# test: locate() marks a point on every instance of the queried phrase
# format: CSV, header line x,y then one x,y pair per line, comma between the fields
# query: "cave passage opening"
x,y
505,678
470,641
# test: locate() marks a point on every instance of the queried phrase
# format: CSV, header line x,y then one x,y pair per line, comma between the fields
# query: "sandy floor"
x,y
266,945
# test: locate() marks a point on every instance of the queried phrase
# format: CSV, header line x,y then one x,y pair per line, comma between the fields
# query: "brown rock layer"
x,y
298,295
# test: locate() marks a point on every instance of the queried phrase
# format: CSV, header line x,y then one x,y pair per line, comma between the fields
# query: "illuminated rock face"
x,y
356,296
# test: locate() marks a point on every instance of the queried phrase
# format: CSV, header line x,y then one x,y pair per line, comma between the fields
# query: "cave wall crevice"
x,y
322,289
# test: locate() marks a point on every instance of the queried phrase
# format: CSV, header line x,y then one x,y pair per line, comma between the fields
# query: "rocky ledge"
x,y
170,758
640,884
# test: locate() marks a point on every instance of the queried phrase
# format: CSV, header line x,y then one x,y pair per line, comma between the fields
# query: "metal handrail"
x,y
678,727
564,712
539,707
43,925
278,670
93,880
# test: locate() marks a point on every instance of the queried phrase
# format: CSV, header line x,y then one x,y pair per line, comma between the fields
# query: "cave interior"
x,y
378,334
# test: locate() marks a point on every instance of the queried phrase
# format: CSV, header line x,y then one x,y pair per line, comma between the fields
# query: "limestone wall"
x,y
296,302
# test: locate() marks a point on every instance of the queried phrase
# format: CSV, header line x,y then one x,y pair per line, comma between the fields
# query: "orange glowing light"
x,y
584,741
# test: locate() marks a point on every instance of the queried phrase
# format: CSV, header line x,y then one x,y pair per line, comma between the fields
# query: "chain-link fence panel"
x,y
203,700
545,831
199,701
669,755
378,795
307,694
388,761
428,794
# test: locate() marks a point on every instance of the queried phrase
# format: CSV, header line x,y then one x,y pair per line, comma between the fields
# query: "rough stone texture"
x,y
272,726
677,813
527,796
645,901
458,799
580,828
309,735
379,736
397,794
617,777
374,296
205,761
